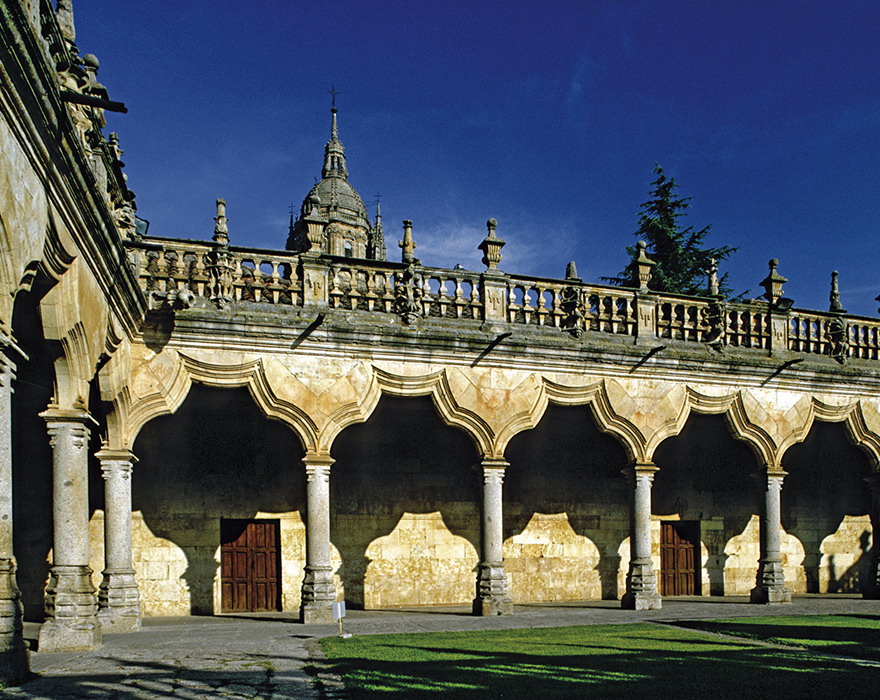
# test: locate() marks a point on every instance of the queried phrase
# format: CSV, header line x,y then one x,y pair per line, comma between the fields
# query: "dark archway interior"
x,y
825,483
565,465
31,454
404,460
706,475
217,457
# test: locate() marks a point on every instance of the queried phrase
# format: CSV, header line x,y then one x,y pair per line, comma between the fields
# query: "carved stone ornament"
x,y
713,321
491,247
642,266
836,337
773,282
572,301
219,268
408,294
172,300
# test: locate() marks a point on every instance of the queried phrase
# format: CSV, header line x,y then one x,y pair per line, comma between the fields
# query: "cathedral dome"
x,y
337,200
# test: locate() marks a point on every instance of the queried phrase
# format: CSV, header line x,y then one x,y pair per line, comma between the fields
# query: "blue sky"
x,y
546,115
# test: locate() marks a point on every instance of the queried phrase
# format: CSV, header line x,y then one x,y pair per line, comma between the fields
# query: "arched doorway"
x,y
565,510
405,517
215,479
826,505
705,509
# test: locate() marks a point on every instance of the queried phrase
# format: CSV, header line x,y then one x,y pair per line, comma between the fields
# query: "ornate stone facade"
x,y
418,435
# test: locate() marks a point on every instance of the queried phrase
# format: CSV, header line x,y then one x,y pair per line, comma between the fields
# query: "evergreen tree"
x,y
681,261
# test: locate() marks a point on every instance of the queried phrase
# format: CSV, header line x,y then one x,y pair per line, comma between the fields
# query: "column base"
x,y
641,588
487,607
492,597
69,635
14,661
119,602
761,595
71,623
14,667
316,612
641,601
770,588
318,595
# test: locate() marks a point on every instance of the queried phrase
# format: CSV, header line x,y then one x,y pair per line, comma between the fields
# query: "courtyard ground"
x,y
272,656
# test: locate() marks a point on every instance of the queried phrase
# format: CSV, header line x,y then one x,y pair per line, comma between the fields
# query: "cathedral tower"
x,y
335,207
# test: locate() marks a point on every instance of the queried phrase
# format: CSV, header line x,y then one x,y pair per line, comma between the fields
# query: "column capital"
x,y
318,466
640,468
318,459
772,473
54,414
111,468
494,463
106,454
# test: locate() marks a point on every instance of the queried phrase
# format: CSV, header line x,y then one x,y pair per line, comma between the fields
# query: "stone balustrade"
x,y
258,276
275,277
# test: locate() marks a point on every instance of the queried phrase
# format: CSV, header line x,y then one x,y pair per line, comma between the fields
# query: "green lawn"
x,y
597,661
856,636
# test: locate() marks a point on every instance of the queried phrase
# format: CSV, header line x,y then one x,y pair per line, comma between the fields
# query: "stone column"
x,y
641,581
119,602
871,587
71,622
318,591
13,654
770,586
492,597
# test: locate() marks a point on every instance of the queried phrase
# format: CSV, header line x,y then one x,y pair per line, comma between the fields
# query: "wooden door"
x,y
250,562
680,557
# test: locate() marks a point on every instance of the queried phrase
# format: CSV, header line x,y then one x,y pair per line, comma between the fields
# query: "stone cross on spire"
x,y
334,152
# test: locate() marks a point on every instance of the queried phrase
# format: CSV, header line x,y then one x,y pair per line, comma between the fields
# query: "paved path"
x,y
267,656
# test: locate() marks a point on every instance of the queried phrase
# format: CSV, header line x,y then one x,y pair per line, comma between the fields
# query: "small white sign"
x,y
338,610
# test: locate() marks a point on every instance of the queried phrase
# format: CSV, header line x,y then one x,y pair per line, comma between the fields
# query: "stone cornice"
x,y
41,122
539,350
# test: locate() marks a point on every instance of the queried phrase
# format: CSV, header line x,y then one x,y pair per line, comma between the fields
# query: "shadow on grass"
x,y
640,661
857,636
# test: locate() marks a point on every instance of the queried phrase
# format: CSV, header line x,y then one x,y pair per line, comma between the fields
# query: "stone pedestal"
x,y
641,580
770,586
315,290
871,586
492,595
318,591
71,622
119,604
13,653
14,663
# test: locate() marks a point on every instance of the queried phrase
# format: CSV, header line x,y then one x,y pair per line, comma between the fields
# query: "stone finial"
x,y
314,223
491,246
836,306
712,274
221,226
571,272
772,284
407,245
643,266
